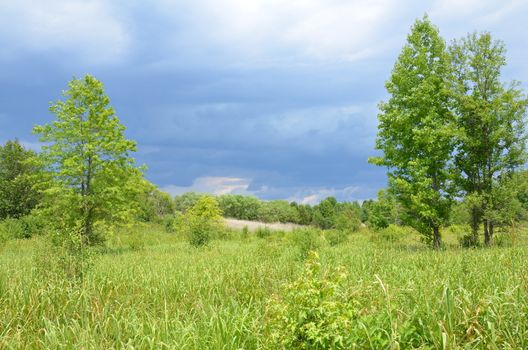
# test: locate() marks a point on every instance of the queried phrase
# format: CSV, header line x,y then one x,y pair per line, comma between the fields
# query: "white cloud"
x,y
88,30
234,185
477,13
314,196
212,185
276,31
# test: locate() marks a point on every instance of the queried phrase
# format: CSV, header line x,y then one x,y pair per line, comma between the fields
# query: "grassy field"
x,y
151,290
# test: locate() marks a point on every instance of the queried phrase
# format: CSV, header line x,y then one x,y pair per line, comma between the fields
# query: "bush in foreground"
x,y
313,312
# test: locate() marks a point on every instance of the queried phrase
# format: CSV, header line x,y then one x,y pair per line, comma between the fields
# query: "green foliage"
x,y
380,213
64,256
240,207
18,180
393,234
348,218
174,223
277,211
203,221
12,229
186,201
314,312
263,232
491,138
325,213
305,213
21,228
154,205
416,129
245,232
92,178
306,240
335,237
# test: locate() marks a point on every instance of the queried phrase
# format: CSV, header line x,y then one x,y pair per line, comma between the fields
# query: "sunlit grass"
x,y
165,294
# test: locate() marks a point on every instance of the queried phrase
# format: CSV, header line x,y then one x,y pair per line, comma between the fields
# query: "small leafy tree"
x,y
203,220
18,177
92,180
416,128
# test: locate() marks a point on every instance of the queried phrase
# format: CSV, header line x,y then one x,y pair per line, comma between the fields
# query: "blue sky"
x,y
272,98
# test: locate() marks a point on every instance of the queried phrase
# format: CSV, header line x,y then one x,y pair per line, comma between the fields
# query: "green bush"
x,y
306,240
22,228
64,254
263,232
245,233
12,228
462,233
203,221
348,221
136,241
468,241
392,234
174,223
503,239
314,312
335,237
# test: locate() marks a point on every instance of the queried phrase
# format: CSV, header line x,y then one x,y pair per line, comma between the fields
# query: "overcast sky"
x,y
266,97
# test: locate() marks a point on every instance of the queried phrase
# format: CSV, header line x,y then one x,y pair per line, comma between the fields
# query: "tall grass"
x,y
168,295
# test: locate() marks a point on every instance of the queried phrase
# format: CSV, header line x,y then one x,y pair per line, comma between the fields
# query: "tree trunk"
x,y
488,232
487,237
437,240
88,206
474,225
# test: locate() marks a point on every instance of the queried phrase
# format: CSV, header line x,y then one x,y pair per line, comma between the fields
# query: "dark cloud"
x,y
239,95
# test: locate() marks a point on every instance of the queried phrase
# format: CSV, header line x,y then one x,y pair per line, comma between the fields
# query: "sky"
x,y
276,99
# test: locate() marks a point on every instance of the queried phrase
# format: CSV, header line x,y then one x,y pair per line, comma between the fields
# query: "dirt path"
x,y
253,225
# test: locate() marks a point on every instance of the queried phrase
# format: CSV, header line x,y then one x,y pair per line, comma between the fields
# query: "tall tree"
x,y
415,130
18,195
490,116
93,180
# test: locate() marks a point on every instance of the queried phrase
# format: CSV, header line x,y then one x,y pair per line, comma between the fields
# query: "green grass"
x,y
163,294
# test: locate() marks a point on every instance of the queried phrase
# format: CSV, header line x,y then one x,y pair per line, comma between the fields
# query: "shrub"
x,y
202,221
12,228
462,232
348,221
314,312
392,233
335,237
468,241
22,228
174,223
263,232
65,254
503,239
306,240
33,225
245,232
136,242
